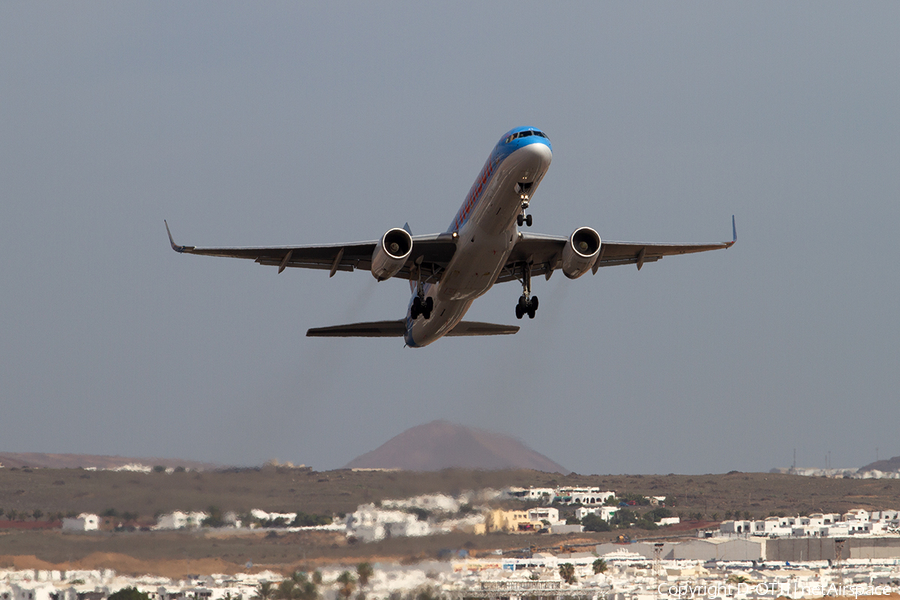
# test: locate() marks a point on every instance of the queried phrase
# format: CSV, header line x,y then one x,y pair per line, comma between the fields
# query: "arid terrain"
x,y
700,499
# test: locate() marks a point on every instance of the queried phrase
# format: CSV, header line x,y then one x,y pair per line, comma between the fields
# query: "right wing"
x,y
431,252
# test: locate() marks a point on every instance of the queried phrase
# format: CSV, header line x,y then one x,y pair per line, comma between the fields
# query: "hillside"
x,y
44,460
886,466
443,445
341,491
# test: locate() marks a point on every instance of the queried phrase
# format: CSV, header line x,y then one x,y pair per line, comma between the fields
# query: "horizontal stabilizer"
x,y
370,329
475,328
398,329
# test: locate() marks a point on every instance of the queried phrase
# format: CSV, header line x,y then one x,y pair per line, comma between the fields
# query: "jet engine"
x,y
580,252
391,253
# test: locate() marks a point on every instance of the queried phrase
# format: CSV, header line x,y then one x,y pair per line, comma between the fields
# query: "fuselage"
x,y
485,230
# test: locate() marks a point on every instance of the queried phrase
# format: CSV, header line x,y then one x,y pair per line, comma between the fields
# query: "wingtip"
x,y
175,246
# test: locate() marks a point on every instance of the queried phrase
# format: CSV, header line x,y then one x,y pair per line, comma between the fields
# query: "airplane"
x,y
483,246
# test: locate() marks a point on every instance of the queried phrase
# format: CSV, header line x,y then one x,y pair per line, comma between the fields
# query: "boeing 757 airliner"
x,y
483,246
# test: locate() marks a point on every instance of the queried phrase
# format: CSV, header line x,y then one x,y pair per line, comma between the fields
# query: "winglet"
x,y
733,231
175,246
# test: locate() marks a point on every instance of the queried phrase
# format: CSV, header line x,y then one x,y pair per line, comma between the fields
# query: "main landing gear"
x,y
421,307
527,304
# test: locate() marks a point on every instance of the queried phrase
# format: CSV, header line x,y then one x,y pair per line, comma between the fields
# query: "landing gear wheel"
x,y
528,220
421,308
520,219
526,306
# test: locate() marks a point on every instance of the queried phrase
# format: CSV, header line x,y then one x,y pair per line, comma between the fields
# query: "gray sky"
x,y
290,123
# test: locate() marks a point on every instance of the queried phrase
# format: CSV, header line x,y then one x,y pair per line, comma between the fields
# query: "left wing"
x,y
542,254
430,252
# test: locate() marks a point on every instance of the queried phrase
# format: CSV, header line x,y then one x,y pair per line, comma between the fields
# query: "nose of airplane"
x,y
541,151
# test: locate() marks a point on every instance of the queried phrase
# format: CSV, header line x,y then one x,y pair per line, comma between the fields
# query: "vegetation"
x,y
364,572
129,593
421,513
567,573
595,523
296,587
658,513
264,591
421,593
215,518
599,566
304,520
632,499
625,517
347,583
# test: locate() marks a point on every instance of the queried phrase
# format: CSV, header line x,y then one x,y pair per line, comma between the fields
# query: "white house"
x,y
369,524
272,516
83,522
857,514
583,496
29,590
429,502
531,494
604,512
546,513
180,520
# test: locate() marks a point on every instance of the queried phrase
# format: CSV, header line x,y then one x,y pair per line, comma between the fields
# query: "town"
x,y
850,554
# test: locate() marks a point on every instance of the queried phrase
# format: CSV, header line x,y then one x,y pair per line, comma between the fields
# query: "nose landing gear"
x,y
524,218
523,188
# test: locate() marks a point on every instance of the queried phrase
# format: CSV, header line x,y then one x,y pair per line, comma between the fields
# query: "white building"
x,y
83,522
857,514
604,512
262,515
28,590
855,522
429,502
369,524
546,513
531,494
583,496
180,520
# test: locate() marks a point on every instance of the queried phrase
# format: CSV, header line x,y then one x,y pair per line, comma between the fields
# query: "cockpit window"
x,y
522,134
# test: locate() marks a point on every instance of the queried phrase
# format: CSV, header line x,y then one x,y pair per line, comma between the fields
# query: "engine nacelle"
x,y
391,253
580,252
